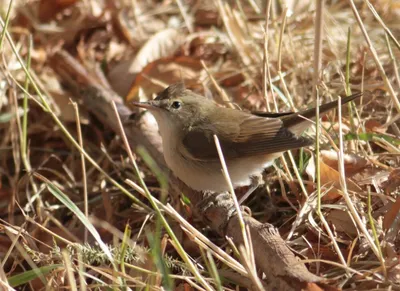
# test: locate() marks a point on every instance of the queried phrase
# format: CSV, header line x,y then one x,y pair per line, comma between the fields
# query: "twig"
x,y
83,164
375,56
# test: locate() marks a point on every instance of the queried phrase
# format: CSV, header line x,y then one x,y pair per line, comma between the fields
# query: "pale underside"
x,y
208,175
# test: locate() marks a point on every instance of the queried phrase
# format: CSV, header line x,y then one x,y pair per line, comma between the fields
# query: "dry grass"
x,y
65,222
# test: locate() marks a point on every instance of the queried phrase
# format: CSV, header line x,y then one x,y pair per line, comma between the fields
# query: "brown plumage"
x,y
249,141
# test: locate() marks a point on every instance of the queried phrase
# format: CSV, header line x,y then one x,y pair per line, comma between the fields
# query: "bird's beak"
x,y
147,105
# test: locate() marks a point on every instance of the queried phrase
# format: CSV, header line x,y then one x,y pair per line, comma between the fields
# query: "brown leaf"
x,y
184,287
392,184
342,222
160,45
372,176
353,163
164,71
236,28
49,8
63,100
330,177
208,49
391,215
374,126
205,17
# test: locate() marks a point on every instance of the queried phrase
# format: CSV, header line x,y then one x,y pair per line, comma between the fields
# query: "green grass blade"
x,y
30,275
64,199
3,34
372,137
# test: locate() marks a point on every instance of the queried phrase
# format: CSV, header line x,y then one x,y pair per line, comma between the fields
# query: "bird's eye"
x,y
176,104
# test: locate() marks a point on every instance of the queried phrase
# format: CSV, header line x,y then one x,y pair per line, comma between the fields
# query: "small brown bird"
x,y
250,141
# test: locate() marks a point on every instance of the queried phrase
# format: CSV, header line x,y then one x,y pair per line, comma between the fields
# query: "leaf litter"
x,y
137,48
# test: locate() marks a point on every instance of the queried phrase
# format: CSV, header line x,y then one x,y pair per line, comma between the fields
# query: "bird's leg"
x,y
256,181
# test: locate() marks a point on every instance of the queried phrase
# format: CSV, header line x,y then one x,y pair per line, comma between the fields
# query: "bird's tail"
x,y
300,121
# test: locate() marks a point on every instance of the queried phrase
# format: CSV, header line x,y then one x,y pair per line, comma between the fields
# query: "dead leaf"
x,y
390,186
393,182
330,177
391,215
159,74
342,222
371,176
48,9
137,29
374,126
184,287
62,99
353,163
236,29
210,49
205,17
160,45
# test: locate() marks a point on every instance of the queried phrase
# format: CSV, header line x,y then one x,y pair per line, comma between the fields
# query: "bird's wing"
x,y
249,136
297,122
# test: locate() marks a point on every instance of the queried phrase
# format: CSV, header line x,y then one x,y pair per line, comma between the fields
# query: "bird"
x,y
250,141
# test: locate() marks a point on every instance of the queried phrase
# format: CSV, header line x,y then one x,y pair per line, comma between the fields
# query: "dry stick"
x,y
26,257
193,284
346,195
224,10
281,77
254,5
84,178
68,268
283,190
24,134
135,12
51,233
62,227
393,59
268,72
265,57
233,195
189,25
81,270
318,175
203,239
11,248
221,91
285,89
243,15
248,264
377,17
319,22
290,99
252,272
375,56
348,269
192,231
